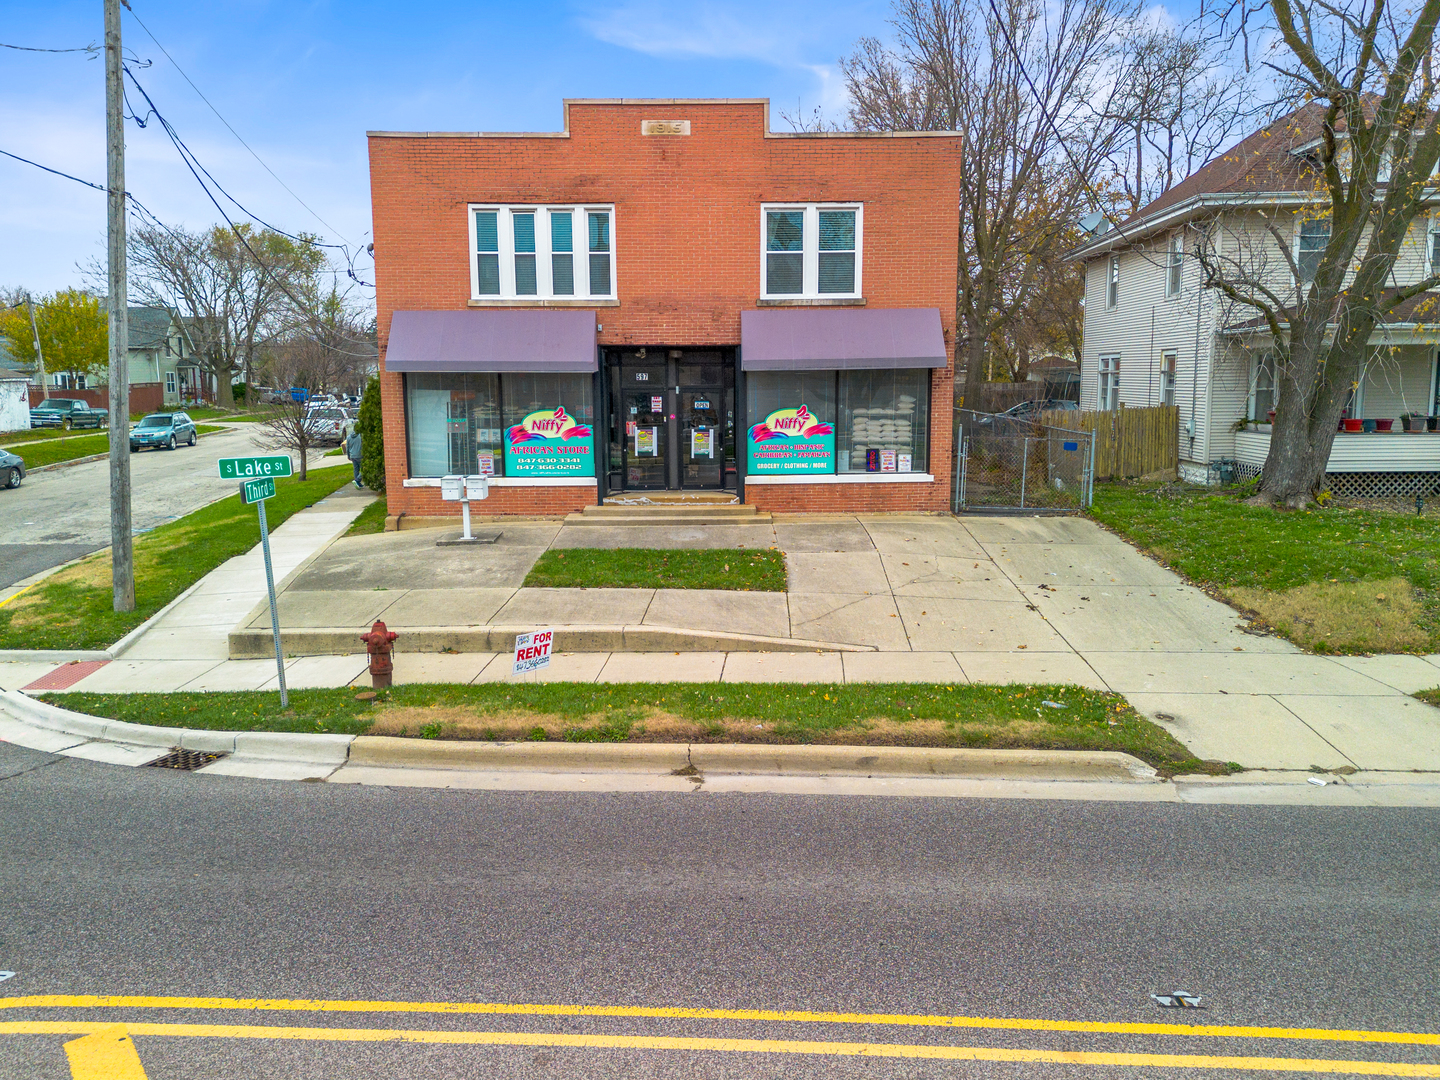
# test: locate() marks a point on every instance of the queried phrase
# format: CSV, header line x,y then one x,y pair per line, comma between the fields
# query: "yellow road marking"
x,y
751,1046
21,593
106,1054
85,1001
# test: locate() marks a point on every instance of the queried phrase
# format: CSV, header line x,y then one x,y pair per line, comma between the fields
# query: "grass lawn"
x,y
371,519
77,446
71,609
1332,579
15,438
880,714
739,569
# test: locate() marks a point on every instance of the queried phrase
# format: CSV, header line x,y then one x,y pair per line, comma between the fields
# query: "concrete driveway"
x,y
60,514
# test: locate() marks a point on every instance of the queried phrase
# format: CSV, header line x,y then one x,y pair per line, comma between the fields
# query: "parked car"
x,y
67,413
12,469
1025,411
162,429
325,424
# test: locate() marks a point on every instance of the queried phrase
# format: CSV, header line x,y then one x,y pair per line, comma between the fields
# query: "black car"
x,y
12,469
67,413
162,429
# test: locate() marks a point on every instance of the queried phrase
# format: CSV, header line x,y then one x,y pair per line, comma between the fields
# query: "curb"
x,y
717,759
51,656
254,643
751,759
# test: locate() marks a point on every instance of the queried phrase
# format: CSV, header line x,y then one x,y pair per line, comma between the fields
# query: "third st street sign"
x,y
247,468
252,491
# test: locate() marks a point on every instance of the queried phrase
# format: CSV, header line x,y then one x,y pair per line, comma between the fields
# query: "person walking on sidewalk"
x,y
352,443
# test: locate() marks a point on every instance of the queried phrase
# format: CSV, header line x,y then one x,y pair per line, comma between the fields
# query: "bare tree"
x,y
1181,102
1031,86
232,289
1365,146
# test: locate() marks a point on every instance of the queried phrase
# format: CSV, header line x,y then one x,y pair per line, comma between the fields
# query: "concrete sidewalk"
x,y
934,599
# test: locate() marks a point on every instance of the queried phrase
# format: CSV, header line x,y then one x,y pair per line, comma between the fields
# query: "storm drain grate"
x,y
185,760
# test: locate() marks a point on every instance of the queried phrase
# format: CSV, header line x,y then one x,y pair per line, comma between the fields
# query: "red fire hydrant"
x,y
379,643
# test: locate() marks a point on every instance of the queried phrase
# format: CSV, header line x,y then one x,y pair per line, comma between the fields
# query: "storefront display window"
x,y
499,425
883,421
790,421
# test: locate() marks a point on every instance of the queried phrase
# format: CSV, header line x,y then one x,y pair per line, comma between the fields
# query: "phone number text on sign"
x,y
532,651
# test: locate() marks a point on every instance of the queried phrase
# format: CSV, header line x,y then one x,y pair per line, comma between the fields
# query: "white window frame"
x,y
1169,362
810,247
1107,383
1432,233
1175,266
544,276
1300,224
1112,283
172,384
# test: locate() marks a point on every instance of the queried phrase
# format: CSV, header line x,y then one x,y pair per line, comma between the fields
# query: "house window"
x,y
1167,378
528,252
80,382
1112,282
1313,239
170,385
1174,264
810,251
1262,396
1109,393
1432,246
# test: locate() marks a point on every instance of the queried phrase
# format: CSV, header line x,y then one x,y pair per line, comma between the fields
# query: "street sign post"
x,y
256,491
243,468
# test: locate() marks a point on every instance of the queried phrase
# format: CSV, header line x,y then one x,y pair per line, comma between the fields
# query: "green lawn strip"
x,y
15,438
79,446
739,569
909,714
371,519
1430,697
72,609
1320,556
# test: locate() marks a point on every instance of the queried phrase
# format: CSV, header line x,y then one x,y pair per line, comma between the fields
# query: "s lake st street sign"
x,y
246,468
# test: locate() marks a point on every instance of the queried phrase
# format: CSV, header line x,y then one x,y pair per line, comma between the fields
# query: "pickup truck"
x,y
67,413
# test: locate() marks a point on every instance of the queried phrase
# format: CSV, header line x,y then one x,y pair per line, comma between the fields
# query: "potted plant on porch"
x,y
1414,422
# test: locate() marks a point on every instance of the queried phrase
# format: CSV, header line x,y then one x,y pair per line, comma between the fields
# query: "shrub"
x,y
372,437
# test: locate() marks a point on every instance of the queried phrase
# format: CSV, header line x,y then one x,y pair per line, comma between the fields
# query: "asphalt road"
x,y
149,882
61,514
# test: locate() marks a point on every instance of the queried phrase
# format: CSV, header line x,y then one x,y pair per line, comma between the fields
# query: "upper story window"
x,y
811,251
1174,264
529,252
1310,244
1432,245
1112,282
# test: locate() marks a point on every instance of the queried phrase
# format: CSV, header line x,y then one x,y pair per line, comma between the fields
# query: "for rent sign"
x,y
532,651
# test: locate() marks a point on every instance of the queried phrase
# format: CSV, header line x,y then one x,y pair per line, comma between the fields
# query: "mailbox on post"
x,y
463,489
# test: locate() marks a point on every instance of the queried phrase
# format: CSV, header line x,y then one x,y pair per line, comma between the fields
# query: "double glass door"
x,y
671,422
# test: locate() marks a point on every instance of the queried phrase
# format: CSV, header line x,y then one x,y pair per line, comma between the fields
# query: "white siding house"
x,y
1154,335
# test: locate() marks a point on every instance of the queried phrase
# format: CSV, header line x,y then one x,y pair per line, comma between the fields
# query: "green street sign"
x,y
243,468
252,491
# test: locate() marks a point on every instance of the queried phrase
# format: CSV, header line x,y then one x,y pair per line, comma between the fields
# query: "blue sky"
x,y
303,81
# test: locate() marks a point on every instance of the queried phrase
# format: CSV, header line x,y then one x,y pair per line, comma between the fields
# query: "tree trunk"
x,y
224,394
1302,434
974,368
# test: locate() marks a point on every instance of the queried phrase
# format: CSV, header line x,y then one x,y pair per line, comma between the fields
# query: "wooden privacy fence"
x,y
1128,442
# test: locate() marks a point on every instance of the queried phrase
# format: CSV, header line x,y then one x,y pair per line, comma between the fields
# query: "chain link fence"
x,y
1007,463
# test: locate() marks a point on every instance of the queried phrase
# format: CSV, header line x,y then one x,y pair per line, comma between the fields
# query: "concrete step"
x,y
611,510
653,517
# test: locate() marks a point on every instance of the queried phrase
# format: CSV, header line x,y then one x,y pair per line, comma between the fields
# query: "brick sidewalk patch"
x,y
67,675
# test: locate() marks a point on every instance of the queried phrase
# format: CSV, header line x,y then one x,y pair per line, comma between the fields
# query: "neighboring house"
x,y
667,295
162,370
1154,335
1060,374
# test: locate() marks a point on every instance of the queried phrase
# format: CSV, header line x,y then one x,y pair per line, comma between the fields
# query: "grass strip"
x,y
1333,579
737,569
80,446
876,714
371,519
30,435
72,609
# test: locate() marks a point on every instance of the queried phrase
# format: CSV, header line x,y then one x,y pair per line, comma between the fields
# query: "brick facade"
x,y
687,236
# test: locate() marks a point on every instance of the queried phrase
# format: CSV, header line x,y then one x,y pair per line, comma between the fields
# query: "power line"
x,y
91,48
57,172
232,130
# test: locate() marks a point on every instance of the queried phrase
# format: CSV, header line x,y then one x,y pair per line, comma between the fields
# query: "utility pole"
x,y
39,356
122,563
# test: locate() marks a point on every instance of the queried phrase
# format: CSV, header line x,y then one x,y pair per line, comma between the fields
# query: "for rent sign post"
x,y
532,651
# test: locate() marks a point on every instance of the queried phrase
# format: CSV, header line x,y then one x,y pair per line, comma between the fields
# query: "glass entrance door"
x,y
702,436
646,439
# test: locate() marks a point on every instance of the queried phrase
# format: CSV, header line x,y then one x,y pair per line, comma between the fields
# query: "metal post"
x,y
1024,467
465,511
39,355
274,614
122,565
1090,485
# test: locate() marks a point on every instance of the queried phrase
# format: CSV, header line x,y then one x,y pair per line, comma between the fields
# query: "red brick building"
x,y
667,295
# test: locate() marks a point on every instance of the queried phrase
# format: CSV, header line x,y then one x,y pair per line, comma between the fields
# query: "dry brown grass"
x,y
1350,616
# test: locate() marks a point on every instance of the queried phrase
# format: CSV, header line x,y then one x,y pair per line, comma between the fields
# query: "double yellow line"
x,y
105,1049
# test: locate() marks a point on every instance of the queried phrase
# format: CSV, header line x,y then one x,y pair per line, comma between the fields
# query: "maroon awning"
x,y
826,339
500,339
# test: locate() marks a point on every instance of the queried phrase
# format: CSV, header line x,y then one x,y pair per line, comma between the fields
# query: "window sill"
x,y
841,478
511,481
813,301
517,302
